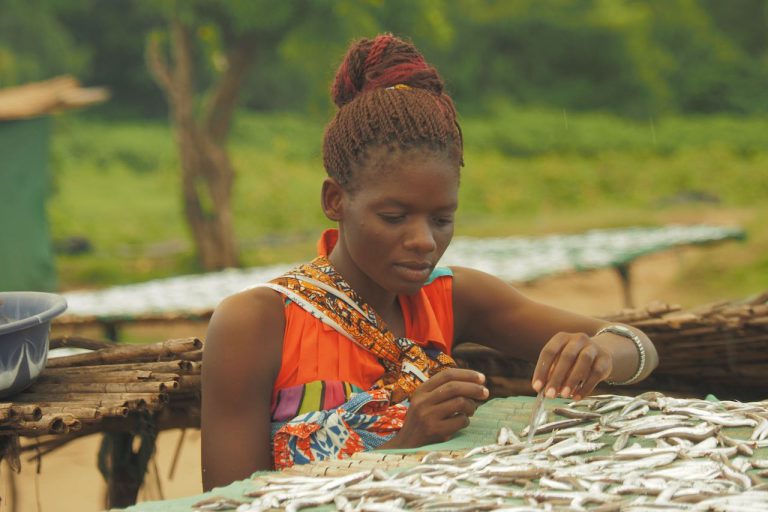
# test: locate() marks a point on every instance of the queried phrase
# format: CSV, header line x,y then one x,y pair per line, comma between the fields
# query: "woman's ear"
x,y
331,198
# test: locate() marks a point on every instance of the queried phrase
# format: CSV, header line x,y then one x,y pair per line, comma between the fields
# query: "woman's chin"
x,y
408,288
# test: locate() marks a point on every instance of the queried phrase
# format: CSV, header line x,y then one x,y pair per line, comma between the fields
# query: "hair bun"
x,y
379,63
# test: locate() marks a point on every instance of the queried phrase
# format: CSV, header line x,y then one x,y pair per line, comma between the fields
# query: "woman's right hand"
x,y
440,407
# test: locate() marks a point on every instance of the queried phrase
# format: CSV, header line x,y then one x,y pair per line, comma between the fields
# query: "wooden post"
x,y
111,331
626,284
123,481
123,468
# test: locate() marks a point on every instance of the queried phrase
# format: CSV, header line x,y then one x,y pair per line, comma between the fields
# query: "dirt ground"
x,y
69,479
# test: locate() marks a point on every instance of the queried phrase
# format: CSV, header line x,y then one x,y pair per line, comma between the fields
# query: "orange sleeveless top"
x,y
313,351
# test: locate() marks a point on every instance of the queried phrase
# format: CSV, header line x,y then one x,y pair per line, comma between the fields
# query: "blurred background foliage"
x,y
577,114
631,57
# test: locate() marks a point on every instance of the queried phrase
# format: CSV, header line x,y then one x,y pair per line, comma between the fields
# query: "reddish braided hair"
x,y
374,113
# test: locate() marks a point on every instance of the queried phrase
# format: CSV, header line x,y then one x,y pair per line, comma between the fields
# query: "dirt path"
x,y
70,481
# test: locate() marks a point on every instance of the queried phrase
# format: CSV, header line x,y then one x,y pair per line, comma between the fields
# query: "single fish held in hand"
x,y
538,407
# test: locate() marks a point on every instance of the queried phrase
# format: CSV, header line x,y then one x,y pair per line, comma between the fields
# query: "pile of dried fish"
x,y
605,453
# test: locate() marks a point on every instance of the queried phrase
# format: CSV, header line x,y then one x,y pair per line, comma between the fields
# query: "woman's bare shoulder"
x,y
260,306
241,359
246,331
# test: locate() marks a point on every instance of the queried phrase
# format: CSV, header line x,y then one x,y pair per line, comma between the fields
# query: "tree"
x,y
232,33
235,37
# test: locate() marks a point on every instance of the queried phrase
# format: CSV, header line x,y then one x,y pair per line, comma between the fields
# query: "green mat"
x,y
512,412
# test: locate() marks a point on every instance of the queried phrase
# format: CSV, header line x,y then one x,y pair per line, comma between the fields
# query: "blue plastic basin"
x,y
25,322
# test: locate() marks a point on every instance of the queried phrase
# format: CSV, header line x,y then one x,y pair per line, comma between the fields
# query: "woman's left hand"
x,y
571,365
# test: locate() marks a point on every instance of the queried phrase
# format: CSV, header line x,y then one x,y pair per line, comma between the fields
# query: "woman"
x,y
351,351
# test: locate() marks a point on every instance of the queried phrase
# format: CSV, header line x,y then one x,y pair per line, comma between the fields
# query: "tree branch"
x,y
181,36
158,66
221,105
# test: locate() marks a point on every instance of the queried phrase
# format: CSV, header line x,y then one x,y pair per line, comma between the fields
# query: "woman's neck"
x,y
385,303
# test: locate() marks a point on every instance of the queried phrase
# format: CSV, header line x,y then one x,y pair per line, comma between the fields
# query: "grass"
x,y
528,171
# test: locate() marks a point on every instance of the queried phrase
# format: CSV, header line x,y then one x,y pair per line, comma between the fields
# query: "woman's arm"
x,y
241,360
570,357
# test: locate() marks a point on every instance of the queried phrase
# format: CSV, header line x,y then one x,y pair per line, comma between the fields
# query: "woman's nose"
x,y
420,238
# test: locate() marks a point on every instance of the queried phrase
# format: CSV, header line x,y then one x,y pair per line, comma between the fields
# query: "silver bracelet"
x,y
629,334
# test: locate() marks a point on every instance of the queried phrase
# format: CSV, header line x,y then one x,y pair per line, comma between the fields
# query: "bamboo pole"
x,y
76,410
95,402
176,453
56,388
196,355
174,366
190,382
110,397
116,376
29,412
164,377
130,353
79,342
49,424
7,413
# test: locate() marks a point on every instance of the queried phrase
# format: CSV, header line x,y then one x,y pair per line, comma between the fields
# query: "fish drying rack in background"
x,y
719,349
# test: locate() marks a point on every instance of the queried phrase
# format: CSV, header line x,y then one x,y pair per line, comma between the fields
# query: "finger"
x,y
565,362
601,369
453,389
581,370
450,426
454,406
452,374
547,357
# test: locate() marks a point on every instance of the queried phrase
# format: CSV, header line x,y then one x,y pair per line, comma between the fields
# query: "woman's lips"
x,y
416,272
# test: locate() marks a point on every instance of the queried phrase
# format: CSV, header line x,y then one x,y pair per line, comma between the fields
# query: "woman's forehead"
x,y
424,181
384,166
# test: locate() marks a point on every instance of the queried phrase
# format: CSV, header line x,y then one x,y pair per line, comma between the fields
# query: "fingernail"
x,y
537,385
486,393
481,377
551,393
566,392
576,397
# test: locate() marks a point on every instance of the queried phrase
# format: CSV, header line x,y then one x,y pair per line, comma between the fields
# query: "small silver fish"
x,y
697,433
217,503
574,448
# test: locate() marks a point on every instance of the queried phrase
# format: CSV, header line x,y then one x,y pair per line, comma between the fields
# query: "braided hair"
x,y
388,97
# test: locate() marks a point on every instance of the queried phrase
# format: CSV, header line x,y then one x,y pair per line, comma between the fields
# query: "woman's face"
x,y
398,220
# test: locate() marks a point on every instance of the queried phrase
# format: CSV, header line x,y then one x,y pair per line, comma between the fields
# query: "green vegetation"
x,y
625,56
577,114
528,171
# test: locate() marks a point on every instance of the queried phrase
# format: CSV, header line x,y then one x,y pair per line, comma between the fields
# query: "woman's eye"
x,y
392,218
443,221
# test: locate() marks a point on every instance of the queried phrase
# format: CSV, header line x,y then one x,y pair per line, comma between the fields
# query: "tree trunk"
x,y
207,178
206,171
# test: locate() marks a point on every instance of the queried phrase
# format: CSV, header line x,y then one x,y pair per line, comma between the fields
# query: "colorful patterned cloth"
x,y
369,418
365,422
313,396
